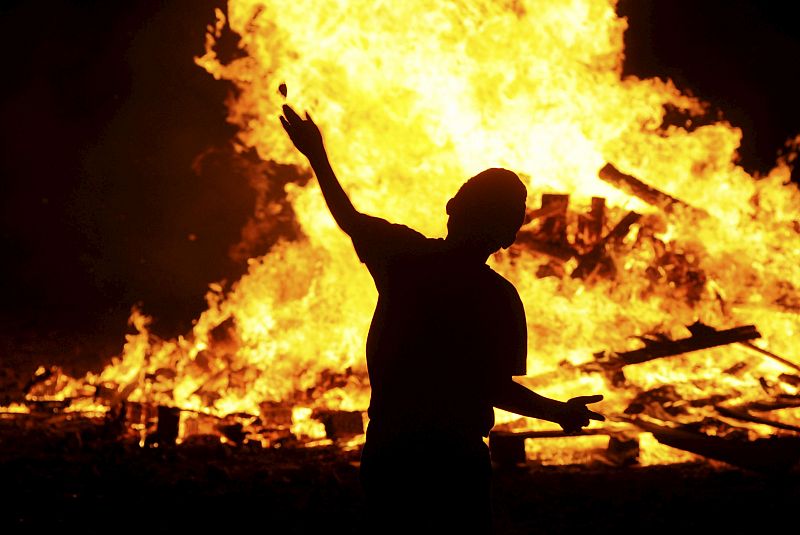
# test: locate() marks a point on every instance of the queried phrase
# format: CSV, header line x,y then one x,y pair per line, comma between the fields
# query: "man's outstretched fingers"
x,y
588,399
596,416
290,114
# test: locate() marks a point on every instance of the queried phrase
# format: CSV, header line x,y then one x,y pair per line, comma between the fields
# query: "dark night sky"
x,y
104,112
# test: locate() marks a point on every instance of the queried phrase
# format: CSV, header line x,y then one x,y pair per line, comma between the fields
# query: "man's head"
x,y
488,210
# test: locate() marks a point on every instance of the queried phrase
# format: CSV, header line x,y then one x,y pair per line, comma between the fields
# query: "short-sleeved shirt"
x,y
442,333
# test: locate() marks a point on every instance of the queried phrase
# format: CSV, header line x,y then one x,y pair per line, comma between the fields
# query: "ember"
x,y
653,268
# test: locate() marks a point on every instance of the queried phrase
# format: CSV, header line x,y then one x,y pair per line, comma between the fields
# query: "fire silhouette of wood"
x,y
771,455
590,225
659,346
743,413
700,339
655,413
589,246
633,186
656,346
553,205
168,422
341,425
589,261
508,447
551,237
770,354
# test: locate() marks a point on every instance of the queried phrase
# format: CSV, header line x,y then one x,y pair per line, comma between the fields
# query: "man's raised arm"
x,y
306,136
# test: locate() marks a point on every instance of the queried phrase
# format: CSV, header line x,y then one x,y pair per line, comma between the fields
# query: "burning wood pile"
x,y
715,425
681,308
759,431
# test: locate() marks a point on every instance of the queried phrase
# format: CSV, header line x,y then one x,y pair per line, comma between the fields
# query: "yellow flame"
x,y
414,97
409,111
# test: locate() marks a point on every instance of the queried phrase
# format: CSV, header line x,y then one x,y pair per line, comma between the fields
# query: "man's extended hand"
x,y
576,415
304,133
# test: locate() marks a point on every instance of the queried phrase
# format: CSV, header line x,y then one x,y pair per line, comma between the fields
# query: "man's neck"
x,y
467,253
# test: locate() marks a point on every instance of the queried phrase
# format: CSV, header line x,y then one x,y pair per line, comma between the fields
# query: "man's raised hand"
x,y
304,133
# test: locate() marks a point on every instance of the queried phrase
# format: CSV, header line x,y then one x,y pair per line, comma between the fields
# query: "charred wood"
x,y
590,260
274,415
790,379
508,447
48,406
556,433
633,186
549,208
623,449
773,455
39,378
341,424
199,423
233,431
769,354
166,432
701,328
781,402
667,348
550,236
554,226
590,225
611,363
558,251
662,402
742,413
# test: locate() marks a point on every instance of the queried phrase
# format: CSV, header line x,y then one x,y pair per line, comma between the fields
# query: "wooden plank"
x,y
742,413
550,237
590,260
166,432
773,455
771,355
708,339
555,433
508,447
558,251
635,187
590,225
610,361
340,425
554,226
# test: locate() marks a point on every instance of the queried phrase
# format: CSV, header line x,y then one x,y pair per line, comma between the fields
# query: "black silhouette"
x,y
447,336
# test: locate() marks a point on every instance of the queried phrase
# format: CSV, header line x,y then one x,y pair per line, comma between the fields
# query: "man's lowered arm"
x,y
571,415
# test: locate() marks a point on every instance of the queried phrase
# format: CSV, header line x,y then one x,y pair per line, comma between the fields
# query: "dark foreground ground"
x,y
79,483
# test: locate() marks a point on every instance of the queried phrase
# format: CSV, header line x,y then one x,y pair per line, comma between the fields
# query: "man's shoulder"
x,y
373,224
503,287
380,243
499,280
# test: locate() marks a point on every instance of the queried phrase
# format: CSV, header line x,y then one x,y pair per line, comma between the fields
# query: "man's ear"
x,y
449,207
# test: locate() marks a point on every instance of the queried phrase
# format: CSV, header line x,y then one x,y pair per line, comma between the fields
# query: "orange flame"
x,y
414,97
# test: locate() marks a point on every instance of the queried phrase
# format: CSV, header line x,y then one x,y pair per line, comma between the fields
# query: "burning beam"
x,y
773,455
589,260
697,341
633,186
770,354
742,413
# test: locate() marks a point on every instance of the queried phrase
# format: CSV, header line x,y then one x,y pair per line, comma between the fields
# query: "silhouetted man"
x,y
447,336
